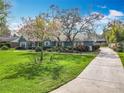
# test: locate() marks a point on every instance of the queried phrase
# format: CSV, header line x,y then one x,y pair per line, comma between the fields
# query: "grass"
x,y
18,75
121,57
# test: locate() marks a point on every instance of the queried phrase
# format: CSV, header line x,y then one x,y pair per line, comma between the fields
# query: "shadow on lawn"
x,y
33,69
28,54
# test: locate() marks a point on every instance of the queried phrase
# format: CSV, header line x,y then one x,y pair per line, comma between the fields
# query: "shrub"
x,y
49,50
4,47
96,47
55,49
5,44
37,49
20,48
46,48
81,48
68,50
119,47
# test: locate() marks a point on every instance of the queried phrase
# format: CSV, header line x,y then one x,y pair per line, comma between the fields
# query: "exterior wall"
x,y
53,43
78,43
23,45
66,44
100,43
63,44
47,43
31,45
14,45
88,43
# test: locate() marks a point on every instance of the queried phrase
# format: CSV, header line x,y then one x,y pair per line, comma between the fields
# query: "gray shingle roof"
x,y
7,39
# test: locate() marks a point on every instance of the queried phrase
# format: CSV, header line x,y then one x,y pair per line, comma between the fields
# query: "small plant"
x,y
37,49
51,58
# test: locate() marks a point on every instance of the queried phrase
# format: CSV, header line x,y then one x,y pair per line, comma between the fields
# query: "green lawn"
x,y
18,75
122,57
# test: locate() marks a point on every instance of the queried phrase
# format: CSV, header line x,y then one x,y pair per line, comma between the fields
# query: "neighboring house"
x,y
9,40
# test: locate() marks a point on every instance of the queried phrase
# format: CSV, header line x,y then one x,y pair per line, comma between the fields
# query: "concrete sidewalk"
x,y
105,74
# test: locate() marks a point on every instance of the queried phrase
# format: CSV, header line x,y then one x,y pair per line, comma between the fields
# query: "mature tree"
x,y
114,32
72,23
70,20
4,6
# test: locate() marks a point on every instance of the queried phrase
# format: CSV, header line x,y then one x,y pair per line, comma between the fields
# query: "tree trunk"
x,y
41,53
58,43
72,43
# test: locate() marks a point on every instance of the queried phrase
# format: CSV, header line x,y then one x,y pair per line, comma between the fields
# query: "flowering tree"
x,y
54,28
35,30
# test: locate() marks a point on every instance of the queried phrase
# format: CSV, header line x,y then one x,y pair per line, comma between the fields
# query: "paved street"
x,y
105,74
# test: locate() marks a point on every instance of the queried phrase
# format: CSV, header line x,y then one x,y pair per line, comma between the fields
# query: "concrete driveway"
x,y
105,74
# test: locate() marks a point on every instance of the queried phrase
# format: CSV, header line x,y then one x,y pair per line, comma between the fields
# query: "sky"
x,y
24,8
